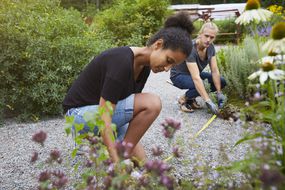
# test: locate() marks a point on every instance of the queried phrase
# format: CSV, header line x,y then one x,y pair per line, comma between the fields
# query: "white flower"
x,y
277,41
254,15
136,174
274,45
267,71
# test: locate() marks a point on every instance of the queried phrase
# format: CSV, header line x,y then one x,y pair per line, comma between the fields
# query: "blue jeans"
x,y
122,115
185,81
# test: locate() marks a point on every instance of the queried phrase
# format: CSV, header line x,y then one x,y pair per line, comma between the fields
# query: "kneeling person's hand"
x,y
212,106
221,99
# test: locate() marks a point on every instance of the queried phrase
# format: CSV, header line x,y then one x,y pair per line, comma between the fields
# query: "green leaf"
x,y
74,152
69,119
78,127
248,137
67,130
76,166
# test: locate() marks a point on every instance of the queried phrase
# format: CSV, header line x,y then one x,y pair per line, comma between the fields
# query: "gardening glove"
x,y
212,106
221,99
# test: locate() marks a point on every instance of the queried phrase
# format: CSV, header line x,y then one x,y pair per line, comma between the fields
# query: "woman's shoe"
x,y
194,104
186,108
182,100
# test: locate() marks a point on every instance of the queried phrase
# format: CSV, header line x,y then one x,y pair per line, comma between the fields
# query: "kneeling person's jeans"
x,y
122,115
185,81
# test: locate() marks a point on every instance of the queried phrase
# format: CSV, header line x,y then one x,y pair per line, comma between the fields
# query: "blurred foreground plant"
x,y
267,110
95,166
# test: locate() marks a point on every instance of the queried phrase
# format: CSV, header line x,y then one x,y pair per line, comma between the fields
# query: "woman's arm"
x,y
215,73
107,133
199,85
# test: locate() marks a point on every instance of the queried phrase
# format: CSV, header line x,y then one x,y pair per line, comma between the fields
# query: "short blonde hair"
x,y
209,25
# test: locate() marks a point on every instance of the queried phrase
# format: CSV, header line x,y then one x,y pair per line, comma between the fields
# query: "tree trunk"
x,y
98,4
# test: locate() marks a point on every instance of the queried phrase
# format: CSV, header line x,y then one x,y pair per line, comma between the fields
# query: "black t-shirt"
x,y
195,59
110,75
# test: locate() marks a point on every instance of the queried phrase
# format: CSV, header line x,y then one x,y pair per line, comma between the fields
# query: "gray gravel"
x,y
16,146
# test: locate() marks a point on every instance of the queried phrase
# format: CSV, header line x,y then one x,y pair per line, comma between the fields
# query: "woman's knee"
x,y
148,101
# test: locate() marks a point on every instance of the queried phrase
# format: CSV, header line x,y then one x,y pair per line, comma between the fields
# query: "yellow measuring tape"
x,y
205,126
197,134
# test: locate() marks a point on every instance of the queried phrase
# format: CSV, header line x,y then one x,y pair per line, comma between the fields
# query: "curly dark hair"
x,y
176,33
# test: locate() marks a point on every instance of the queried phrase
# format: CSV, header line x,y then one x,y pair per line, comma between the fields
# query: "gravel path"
x,y
16,146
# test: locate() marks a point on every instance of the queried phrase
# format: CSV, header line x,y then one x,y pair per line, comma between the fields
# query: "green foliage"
x,y
83,5
225,26
43,47
236,63
130,22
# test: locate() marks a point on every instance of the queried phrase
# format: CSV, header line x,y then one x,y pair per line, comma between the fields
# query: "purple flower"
x,y
39,137
91,180
107,162
156,151
143,181
60,180
176,152
271,177
170,126
93,140
107,182
167,181
44,176
54,154
123,149
111,170
89,163
156,166
34,156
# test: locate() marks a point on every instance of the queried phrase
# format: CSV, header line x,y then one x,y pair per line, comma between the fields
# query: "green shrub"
x,y
43,47
236,63
130,22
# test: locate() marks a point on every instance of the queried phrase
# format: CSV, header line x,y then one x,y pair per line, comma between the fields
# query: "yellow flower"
x,y
267,70
253,13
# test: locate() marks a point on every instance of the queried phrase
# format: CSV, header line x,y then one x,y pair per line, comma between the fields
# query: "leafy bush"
x,y
236,63
43,47
128,22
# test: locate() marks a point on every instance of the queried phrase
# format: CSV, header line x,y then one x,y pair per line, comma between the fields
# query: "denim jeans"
x,y
122,115
185,81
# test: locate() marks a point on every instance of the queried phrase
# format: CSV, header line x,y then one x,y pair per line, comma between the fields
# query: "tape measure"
x,y
197,134
205,126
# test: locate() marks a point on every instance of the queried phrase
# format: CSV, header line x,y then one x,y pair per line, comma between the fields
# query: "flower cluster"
x,y
156,151
170,126
56,179
123,149
160,168
40,137
55,156
48,179
157,166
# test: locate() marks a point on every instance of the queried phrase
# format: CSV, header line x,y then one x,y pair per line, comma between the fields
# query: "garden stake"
x,y
205,126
